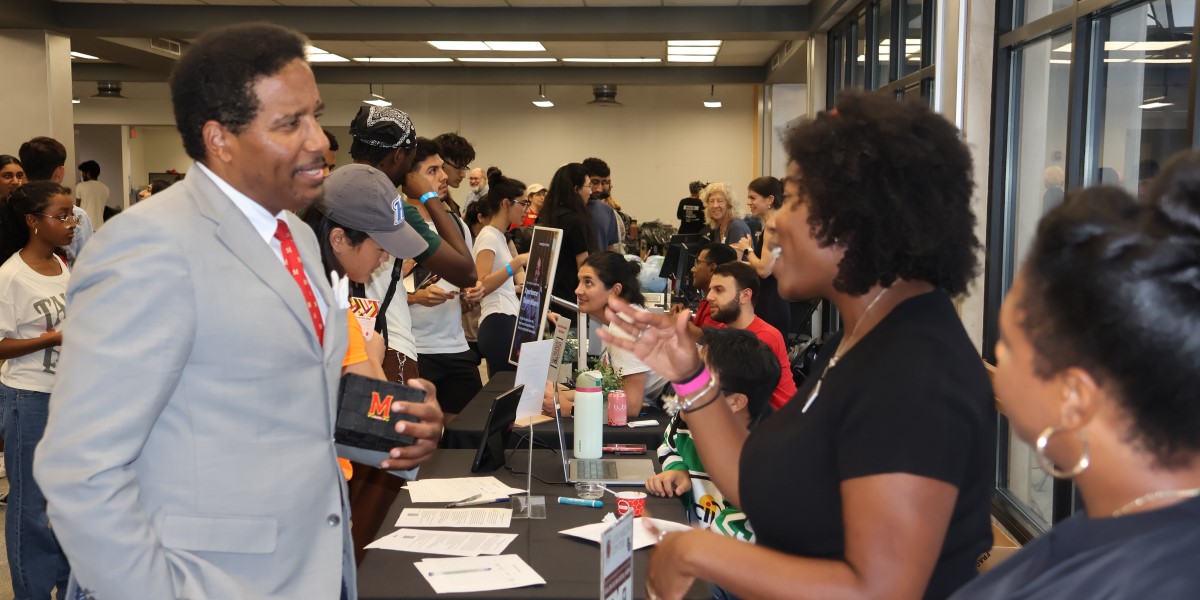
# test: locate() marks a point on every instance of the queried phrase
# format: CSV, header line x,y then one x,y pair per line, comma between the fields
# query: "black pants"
x,y
495,336
456,376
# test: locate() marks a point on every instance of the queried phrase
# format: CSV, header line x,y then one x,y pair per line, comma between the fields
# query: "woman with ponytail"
x,y
503,207
36,220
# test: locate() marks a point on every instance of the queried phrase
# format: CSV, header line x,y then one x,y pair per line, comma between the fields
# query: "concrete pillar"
x,y
37,99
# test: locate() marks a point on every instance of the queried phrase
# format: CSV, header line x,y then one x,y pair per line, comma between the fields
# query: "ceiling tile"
x,y
768,2
619,3
700,2
468,3
546,3
240,3
167,2
316,2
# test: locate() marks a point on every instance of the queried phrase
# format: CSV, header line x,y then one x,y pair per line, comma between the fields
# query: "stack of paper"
x,y
480,574
449,543
455,517
641,536
458,488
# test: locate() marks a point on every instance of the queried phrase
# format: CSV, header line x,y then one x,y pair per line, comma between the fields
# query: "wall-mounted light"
x,y
712,101
376,99
541,101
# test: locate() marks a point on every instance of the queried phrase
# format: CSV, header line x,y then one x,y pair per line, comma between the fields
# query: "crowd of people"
x,y
173,437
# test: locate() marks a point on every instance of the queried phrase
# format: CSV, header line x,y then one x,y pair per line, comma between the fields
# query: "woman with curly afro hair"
x,y
875,480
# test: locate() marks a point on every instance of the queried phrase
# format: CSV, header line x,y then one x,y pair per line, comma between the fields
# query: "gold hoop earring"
x,y
1043,440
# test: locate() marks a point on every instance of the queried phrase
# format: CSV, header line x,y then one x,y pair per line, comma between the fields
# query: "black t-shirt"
x,y
1144,555
574,242
691,215
911,396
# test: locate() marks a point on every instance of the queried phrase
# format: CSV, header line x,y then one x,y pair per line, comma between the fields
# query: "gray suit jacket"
x,y
189,451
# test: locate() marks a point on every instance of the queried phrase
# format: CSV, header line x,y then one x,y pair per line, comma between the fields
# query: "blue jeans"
x,y
36,561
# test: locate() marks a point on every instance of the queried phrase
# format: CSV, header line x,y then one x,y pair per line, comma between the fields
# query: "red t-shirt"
x,y
703,317
773,339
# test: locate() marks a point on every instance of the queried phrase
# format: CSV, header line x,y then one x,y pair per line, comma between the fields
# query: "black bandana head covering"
x,y
383,127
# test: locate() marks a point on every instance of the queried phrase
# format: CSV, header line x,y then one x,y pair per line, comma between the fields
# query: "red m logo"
x,y
380,409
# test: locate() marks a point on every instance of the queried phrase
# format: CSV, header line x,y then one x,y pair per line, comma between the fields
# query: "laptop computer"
x,y
609,471
496,431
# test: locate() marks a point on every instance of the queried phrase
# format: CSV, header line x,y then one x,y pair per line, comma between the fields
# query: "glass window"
x,y
1027,11
1140,72
912,25
858,67
1034,184
883,33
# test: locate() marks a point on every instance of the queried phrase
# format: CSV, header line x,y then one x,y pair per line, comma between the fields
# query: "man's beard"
x,y
600,195
725,314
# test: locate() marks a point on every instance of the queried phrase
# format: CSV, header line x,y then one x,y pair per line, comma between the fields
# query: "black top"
x,y
691,215
1143,555
574,242
912,396
769,305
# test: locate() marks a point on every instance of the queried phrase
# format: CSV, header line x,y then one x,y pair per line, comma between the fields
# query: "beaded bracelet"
x,y
428,196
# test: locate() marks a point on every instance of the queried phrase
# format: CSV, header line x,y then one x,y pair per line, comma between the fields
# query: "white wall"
x,y
102,143
661,139
36,95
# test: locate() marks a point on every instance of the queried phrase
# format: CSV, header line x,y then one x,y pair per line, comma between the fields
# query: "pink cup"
x,y
631,501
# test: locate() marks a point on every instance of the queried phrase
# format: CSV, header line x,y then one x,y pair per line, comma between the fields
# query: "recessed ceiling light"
x,y
613,60
693,42
74,100
693,51
712,104
516,46
373,59
507,60
461,46
83,56
687,58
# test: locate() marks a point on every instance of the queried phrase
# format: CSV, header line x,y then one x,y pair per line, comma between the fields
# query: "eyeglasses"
x,y
526,203
68,219
453,165
701,260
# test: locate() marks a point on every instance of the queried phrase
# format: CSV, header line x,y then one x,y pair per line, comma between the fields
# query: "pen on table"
x,y
476,502
578,502
462,571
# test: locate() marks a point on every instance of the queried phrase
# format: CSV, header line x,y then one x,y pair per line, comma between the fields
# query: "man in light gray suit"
x,y
189,449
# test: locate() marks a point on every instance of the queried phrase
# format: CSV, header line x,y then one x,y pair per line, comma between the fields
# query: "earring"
x,y
1043,440
35,231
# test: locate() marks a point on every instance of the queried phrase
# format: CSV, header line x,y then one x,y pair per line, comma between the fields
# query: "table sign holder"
x,y
534,507
616,560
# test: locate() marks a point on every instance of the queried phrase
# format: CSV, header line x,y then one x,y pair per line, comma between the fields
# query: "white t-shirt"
x,y
399,321
438,329
627,363
30,305
502,300
93,196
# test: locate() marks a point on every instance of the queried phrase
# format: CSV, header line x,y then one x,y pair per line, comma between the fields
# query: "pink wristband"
x,y
687,388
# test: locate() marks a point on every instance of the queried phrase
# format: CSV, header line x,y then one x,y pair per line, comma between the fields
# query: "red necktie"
x,y
291,260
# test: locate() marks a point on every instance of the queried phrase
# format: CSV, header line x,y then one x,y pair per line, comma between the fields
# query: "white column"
x,y
38,100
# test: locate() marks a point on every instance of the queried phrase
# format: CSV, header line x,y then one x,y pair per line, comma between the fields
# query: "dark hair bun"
x,y
494,175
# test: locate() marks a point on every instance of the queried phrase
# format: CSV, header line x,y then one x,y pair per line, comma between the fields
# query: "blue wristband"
x,y
427,195
508,268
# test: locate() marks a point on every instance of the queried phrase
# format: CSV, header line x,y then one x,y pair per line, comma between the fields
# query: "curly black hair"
x,y
424,149
1113,286
889,181
613,268
214,81
455,148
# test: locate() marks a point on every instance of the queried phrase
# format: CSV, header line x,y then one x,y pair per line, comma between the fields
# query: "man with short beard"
x,y
731,295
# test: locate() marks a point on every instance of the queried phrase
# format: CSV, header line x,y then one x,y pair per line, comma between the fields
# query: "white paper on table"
x,y
532,367
641,536
478,574
448,543
455,489
455,517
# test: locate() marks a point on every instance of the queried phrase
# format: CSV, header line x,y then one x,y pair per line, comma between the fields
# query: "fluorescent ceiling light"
x,y
316,54
613,60
1060,61
507,60
1116,60
74,100
84,56
686,58
461,46
377,102
516,46
1150,105
694,42
1163,61
1108,46
693,51
712,104
1152,46
372,59
543,103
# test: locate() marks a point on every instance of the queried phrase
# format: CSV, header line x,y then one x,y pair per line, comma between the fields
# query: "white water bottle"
x,y
589,415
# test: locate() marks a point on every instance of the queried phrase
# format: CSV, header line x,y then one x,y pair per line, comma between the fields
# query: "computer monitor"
x,y
677,264
496,431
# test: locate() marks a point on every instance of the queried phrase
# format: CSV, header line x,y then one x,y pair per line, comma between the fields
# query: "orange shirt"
x,y
356,352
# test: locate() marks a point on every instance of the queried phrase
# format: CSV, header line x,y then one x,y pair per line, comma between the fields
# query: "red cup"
x,y
631,501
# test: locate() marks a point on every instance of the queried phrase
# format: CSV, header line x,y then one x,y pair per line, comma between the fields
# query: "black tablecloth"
x,y
570,566
466,431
